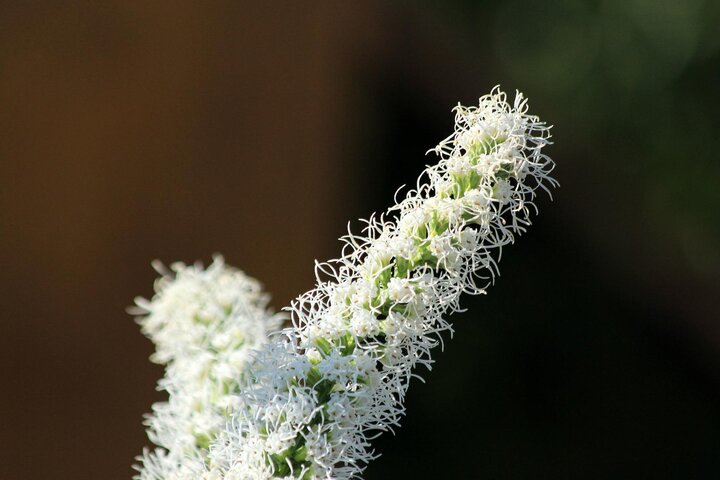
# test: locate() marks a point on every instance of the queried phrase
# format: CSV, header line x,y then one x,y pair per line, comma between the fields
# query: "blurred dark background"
x,y
131,131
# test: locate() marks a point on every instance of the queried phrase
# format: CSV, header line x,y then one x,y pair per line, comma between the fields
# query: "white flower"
x,y
502,191
363,323
400,290
459,166
445,209
410,223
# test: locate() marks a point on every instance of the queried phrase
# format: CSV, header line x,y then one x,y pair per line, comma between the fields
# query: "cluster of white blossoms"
x,y
206,324
314,398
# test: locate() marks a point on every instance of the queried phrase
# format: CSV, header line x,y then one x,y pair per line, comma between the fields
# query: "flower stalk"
x,y
314,398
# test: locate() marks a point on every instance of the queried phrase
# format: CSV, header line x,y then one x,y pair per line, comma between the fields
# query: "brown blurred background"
x,y
131,131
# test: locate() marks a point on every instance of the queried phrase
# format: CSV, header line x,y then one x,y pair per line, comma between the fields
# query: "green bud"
x,y
323,345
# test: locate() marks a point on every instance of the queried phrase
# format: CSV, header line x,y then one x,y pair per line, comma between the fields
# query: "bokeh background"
x,y
131,131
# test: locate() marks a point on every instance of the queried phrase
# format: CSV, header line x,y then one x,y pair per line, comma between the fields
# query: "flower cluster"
x,y
205,324
315,398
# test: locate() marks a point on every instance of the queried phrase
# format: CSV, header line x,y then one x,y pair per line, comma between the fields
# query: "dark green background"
x,y
595,355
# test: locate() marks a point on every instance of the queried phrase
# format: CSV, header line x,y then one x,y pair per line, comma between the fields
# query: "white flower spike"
x,y
205,324
315,398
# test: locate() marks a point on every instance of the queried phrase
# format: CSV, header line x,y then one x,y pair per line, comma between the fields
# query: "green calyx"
x,y
483,147
294,459
203,440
